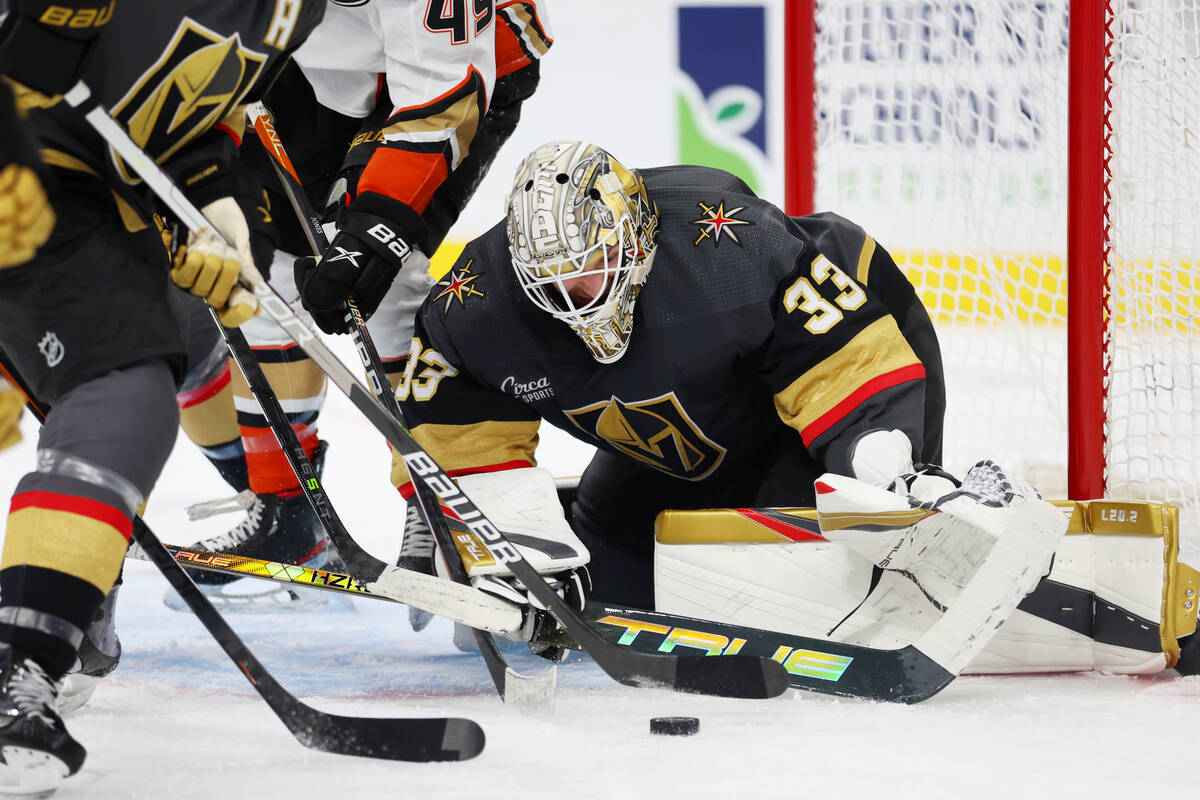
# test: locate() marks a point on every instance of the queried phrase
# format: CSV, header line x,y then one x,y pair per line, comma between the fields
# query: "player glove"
x,y
11,405
26,217
210,263
361,262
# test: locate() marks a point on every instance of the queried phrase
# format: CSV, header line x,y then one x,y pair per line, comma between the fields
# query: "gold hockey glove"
x,y
26,217
11,404
209,268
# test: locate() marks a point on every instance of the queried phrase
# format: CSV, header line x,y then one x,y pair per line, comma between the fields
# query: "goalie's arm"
x,y
841,369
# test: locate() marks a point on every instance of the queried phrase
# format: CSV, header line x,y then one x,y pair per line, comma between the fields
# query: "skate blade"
x,y
248,596
27,773
76,691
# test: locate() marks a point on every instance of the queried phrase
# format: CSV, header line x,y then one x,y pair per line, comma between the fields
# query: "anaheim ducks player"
x,y
438,88
87,324
715,351
389,93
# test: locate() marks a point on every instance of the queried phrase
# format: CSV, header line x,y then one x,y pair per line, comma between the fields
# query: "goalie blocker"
x,y
1116,597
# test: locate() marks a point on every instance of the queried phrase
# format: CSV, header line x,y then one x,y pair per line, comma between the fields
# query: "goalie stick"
x,y
397,739
904,675
530,692
911,673
730,676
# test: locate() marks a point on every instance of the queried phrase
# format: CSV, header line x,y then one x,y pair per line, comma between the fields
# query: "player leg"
x,y
391,329
87,326
221,416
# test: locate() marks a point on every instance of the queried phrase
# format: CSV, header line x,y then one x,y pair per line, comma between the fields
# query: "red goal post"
x,y
1035,168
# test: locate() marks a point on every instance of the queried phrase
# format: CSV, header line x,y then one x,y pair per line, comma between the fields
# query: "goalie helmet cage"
x,y
1034,168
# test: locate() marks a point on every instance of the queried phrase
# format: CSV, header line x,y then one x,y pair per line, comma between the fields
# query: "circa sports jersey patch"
x,y
459,284
717,222
657,432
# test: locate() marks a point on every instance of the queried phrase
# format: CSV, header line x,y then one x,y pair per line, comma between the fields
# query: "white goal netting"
x,y
943,130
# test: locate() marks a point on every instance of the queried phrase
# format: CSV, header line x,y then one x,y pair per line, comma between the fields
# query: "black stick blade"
x,y
749,677
737,676
433,739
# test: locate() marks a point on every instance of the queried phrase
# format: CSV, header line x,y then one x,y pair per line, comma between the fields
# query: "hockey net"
x,y
943,127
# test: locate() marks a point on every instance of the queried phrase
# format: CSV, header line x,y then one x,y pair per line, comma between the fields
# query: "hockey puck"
x,y
674,726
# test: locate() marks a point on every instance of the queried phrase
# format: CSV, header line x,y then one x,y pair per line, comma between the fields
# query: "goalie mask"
x,y
582,233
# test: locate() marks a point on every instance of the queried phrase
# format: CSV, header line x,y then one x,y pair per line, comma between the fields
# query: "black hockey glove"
x,y
45,44
361,262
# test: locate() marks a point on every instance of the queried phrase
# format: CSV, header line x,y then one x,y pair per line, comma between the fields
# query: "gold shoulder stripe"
x,y
864,260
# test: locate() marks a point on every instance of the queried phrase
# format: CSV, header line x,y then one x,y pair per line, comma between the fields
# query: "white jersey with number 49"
x,y
424,47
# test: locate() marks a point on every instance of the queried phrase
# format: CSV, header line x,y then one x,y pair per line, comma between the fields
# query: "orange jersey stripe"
x,y
409,177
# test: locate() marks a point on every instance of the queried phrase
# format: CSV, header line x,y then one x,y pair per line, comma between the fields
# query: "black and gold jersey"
x,y
171,72
752,326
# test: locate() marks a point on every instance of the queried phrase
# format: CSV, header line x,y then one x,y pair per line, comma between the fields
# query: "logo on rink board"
x,y
721,96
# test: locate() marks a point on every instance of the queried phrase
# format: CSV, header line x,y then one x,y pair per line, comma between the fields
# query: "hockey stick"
x,y
444,598
904,675
911,673
534,693
731,676
411,739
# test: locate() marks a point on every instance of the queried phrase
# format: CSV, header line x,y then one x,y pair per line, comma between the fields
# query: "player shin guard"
x,y
70,520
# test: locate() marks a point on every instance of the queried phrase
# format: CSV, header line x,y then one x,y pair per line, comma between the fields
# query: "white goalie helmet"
x,y
582,233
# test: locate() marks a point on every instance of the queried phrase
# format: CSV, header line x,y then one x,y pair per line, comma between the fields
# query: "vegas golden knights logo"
x,y
197,82
657,432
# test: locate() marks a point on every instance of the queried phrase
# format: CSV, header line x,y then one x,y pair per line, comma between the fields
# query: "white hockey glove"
x,y
209,267
523,503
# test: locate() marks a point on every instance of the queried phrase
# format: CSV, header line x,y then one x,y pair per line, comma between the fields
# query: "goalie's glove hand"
x,y
361,262
211,262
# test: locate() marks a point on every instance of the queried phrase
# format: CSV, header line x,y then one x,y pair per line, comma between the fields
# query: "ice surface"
x,y
177,719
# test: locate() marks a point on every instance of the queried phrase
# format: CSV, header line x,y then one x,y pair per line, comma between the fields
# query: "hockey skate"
x,y
416,553
277,527
99,653
36,752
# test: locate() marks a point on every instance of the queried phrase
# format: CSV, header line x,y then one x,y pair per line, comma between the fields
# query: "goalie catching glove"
x,y
362,261
523,504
